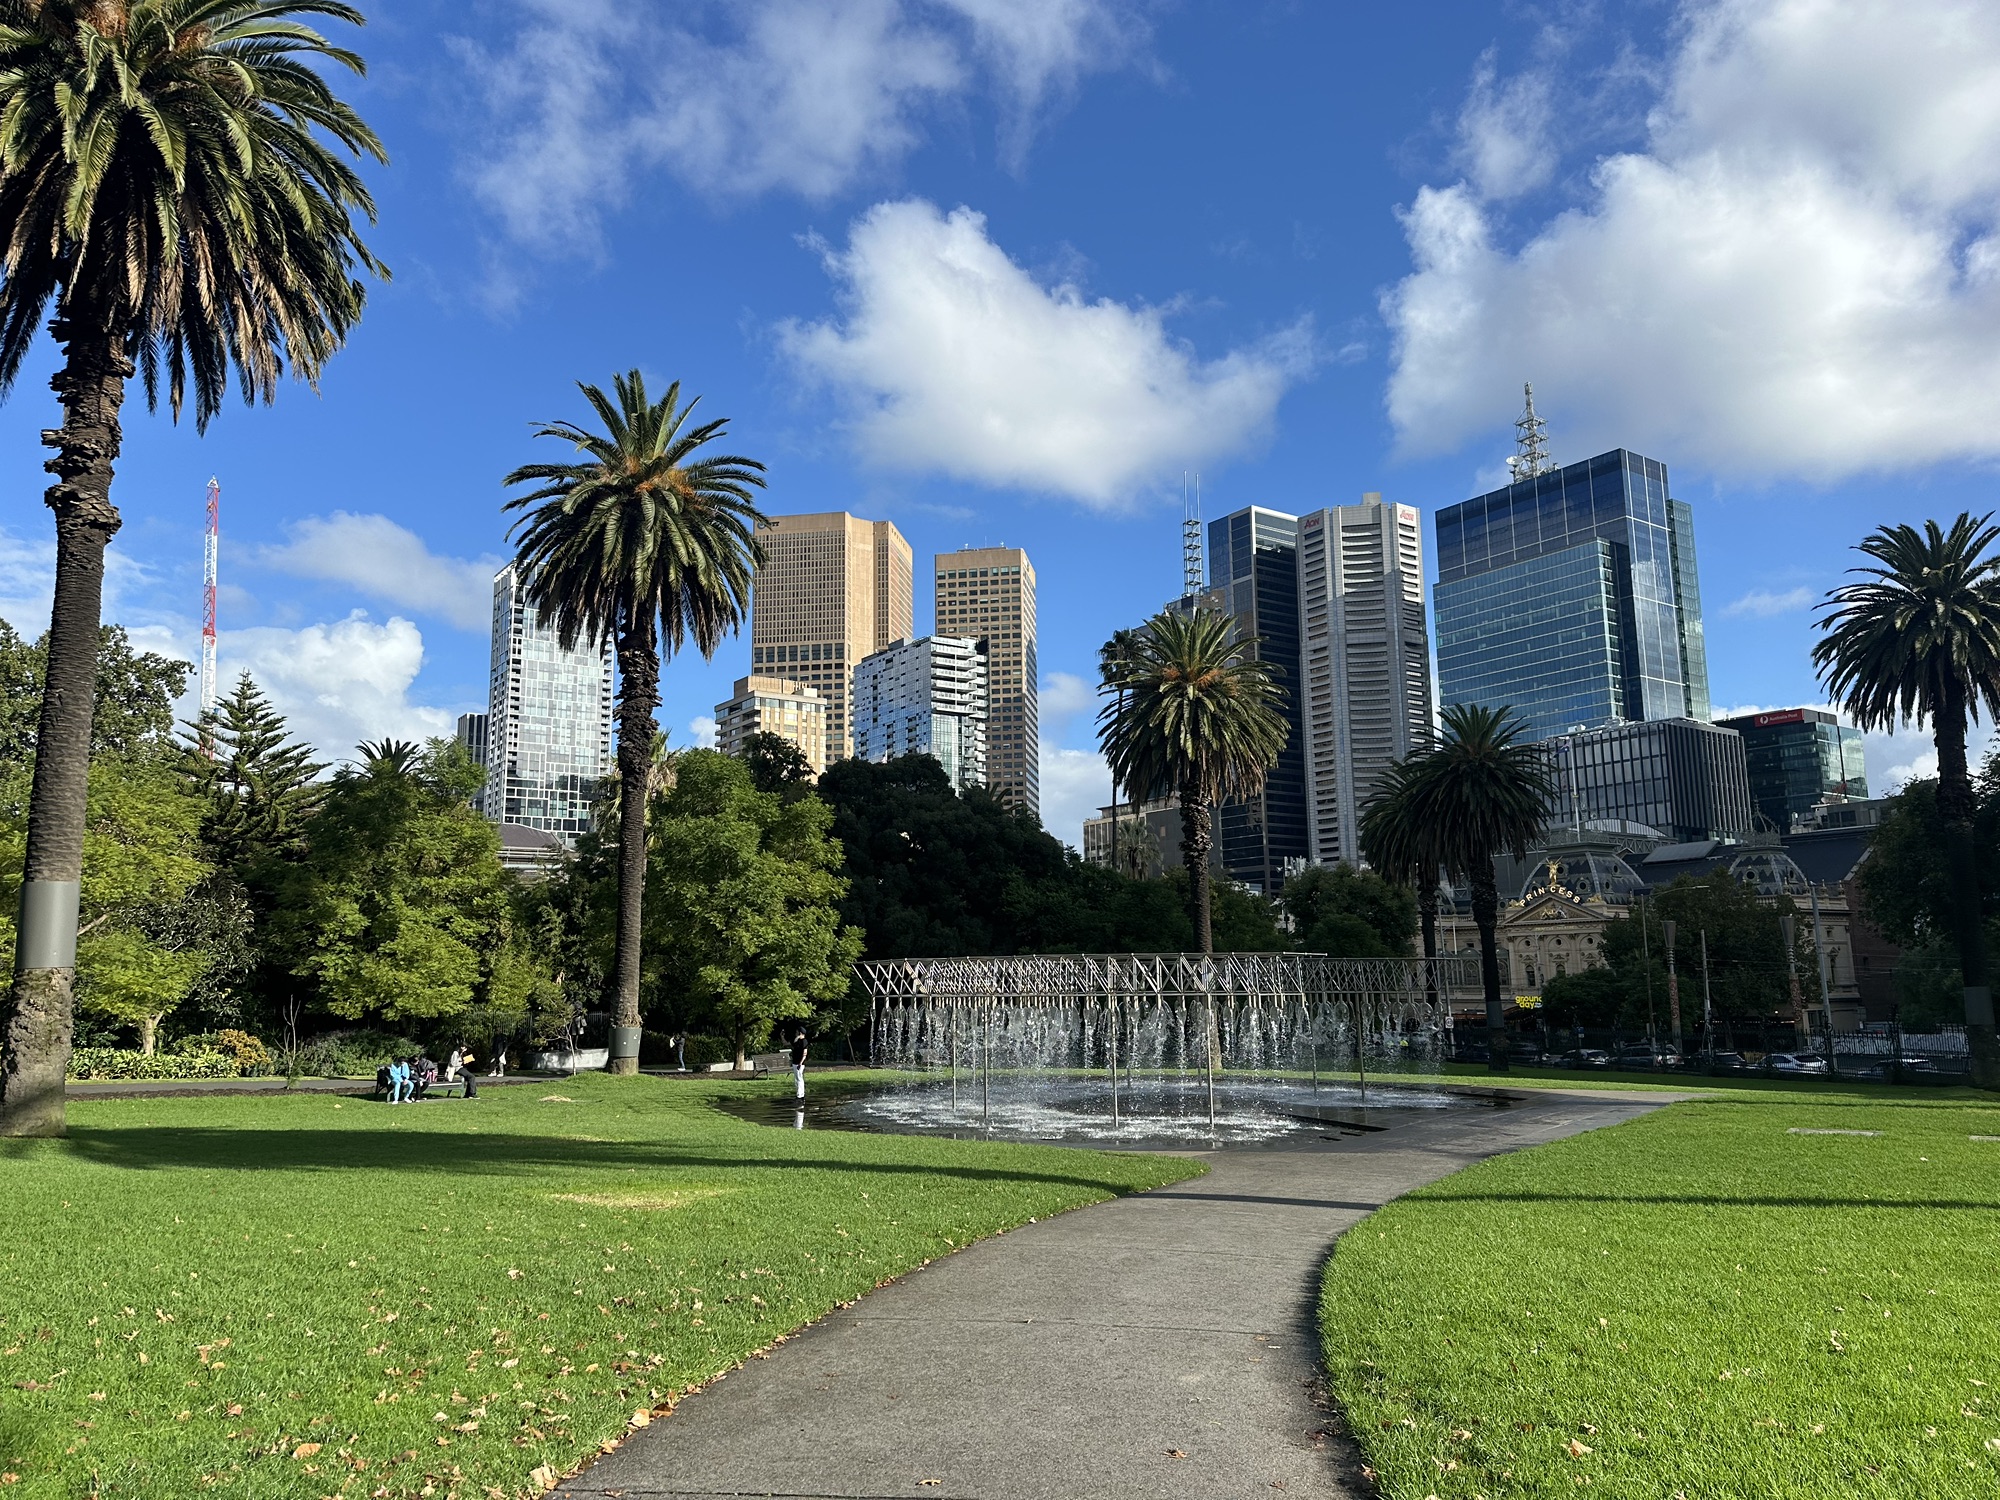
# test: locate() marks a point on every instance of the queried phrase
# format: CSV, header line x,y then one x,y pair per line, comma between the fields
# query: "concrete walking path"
x,y
1162,1345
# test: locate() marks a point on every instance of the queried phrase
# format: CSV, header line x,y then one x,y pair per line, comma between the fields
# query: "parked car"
x,y
1584,1057
1885,1068
1730,1062
1795,1064
1646,1060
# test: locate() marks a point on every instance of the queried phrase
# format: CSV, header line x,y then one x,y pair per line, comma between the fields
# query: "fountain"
x,y
1147,1047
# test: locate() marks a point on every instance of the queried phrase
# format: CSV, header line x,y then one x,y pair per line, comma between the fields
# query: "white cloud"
x,y
754,96
1062,697
1762,604
1799,274
338,683
389,563
953,359
1503,132
27,575
1075,783
702,731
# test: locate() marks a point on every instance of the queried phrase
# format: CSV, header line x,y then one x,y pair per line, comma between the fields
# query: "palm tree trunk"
x,y
37,1024
1486,917
1955,811
638,696
1197,838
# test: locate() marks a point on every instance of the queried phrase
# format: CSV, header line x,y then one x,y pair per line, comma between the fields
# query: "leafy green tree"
x,y
166,183
399,908
1193,714
777,765
1349,913
742,913
1597,998
1406,850
132,709
1921,641
645,543
143,946
1482,792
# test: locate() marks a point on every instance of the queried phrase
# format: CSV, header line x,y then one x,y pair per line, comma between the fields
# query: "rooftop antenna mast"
x,y
209,551
1532,438
1191,563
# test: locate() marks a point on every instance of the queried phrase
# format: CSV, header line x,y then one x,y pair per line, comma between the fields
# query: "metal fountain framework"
x,y
1116,990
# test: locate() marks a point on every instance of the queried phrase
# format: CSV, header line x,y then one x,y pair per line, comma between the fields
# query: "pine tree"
x,y
260,784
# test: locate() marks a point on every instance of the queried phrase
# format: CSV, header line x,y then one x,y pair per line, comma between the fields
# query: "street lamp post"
x,y
1673,990
1707,1006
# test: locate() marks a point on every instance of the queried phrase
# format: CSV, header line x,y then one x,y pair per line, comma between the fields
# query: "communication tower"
x,y
1191,562
1532,438
210,547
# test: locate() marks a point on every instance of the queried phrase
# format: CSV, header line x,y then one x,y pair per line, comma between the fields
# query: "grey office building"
x,y
1570,597
1253,565
1686,780
548,730
1800,758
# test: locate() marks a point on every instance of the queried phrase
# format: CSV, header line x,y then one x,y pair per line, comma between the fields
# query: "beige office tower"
x,y
773,705
1366,657
833,588
988,593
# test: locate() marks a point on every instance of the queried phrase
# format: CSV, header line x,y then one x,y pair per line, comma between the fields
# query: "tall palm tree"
x,y
174,178
1110,658
1403,848
1921,641
1197,714
645,544
1480,793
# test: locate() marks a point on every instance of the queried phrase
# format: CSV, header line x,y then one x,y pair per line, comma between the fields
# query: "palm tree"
x,y
645,545
1110,656
1196,714
1921,641
1478,794
390,757
168,180
1404,849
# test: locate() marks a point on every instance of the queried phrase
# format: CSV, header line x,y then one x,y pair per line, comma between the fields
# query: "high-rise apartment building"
x,y
832,589
988,595
792,711
925,697
1367,661
1253,566
548,713
1570,596
471,737
1798,759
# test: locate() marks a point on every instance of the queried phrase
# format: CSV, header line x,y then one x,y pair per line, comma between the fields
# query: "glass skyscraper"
x,y
548,730
1799,758
1253,565
1572,598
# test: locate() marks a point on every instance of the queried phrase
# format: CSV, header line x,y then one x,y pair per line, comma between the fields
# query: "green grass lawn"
x,y
303,1295
1698,1303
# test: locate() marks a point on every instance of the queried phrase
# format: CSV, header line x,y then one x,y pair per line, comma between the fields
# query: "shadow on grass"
x,y
1711,1200
162,1147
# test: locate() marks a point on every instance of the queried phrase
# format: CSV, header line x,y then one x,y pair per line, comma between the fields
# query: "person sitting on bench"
x,y
400,1090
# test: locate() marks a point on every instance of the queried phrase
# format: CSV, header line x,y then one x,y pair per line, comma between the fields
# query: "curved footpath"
x,y
1162,1345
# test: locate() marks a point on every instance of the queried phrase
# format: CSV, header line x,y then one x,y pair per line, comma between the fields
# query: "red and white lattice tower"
x,y
208,559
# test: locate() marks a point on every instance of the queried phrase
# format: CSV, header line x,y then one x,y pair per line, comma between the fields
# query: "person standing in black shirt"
x,y
799,1051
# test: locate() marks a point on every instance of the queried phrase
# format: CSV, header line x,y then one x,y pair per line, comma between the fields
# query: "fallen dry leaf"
x,y
1175,1453
1576,1449
305,1450
641,1418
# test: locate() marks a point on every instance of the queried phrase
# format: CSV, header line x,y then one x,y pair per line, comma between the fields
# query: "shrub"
x,y
252,1056
98,1063
703,1050
346,1054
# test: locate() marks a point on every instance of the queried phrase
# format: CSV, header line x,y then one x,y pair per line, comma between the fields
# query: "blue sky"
x,y
1002,271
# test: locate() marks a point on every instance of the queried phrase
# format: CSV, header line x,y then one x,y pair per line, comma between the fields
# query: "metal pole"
x,y
1673,991
1825,989
1788,930
1360,1053
1707,1005
1312,1045
1646,952
986,1074
951,1041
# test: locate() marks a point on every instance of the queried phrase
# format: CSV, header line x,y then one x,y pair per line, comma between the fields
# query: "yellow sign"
x,y
1528,1002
